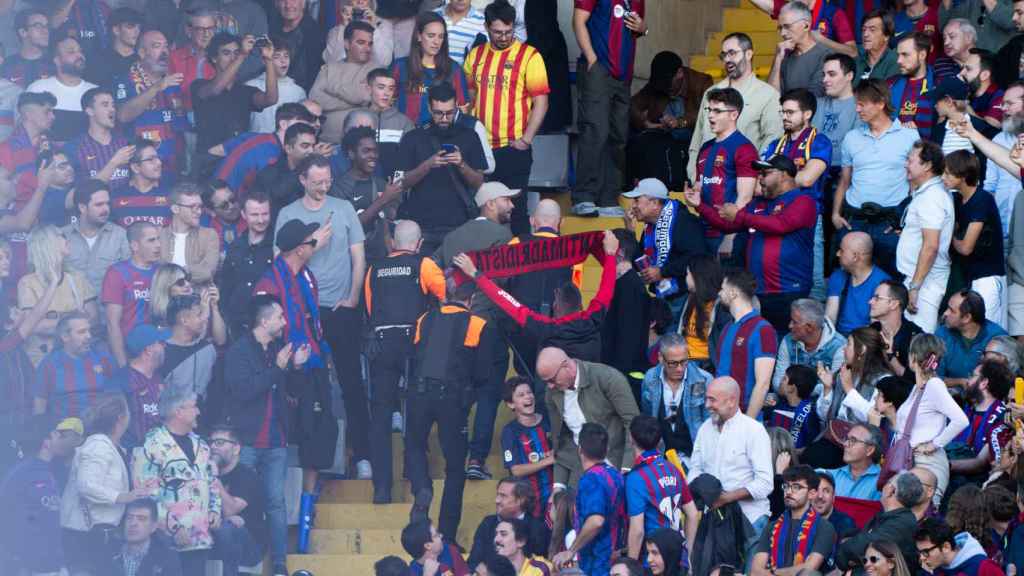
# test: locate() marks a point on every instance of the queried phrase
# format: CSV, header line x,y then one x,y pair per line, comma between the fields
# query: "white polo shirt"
x,y
931,208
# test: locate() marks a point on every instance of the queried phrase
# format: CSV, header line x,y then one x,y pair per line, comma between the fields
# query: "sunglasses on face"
x,y
311,243
183,281
872,559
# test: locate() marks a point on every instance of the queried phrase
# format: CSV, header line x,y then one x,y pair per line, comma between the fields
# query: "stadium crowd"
x,y
805,359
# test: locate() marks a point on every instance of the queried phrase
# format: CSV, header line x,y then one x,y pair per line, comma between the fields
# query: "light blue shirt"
x,y
862,488
878,164
1003,185
462,34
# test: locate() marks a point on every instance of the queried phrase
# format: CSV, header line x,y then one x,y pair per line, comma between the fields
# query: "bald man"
x,y
398,289
853,283
735,449
580,392
928,482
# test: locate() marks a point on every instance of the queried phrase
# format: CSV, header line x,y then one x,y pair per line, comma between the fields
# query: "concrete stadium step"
x,y
748,19
361,491
335,564
378,542
396,516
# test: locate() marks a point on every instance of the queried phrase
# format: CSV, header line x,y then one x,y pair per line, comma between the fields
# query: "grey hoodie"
x,y
967,549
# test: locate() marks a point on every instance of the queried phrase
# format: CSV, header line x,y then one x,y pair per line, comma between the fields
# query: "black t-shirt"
x,y
435,201
242,482
362,193
222,116
185,442
987,258
824,540
102,70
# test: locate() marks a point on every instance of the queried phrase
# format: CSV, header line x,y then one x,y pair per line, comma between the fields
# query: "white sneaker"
x,y
611,211
396,422
363,470
588,209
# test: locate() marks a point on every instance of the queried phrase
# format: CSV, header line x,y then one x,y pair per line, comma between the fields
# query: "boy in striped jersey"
x,y
525,445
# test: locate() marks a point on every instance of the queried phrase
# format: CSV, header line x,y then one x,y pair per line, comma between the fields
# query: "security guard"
x,y
396,290
453,358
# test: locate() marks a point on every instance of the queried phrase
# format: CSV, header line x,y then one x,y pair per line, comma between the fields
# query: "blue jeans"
x,y
235,547
272,466
818,273
884,239
751,544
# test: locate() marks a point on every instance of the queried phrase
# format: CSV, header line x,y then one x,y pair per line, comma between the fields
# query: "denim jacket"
x,y
695,382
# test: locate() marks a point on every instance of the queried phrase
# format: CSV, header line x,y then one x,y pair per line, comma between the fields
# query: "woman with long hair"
x,y
510,539
427,64
702,310
883,558
938,418
171,280
98,486
561,513
966,512
47,254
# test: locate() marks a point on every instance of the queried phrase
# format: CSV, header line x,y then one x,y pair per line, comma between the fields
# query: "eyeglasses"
x,y
926,551
225,204
197,207
37,25
711,110
148,159
793,487
730,54
877,297
183,281
311,243
674,363
501,33
554,376
218,442
872,559
203,29
443,113
851,440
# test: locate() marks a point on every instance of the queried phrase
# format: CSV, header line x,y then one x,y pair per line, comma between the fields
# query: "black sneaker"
x,y
421,505
476,471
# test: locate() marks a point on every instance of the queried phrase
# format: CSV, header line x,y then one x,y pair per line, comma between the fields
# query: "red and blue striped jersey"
x,y
415,104
656,489
89,157
528,445
245,155
806,146
226,231
70,385
24,72
128,285
450,561
601,492
18,155
128,205
741,343
910,99
614,44
719,164
164,122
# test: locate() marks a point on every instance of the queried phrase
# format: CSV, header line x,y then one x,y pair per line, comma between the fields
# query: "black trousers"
x,y
512,168
343,332
775,309
390,352
447,409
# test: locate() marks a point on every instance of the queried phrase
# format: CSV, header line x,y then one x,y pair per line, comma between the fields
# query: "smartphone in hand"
x,y
449,148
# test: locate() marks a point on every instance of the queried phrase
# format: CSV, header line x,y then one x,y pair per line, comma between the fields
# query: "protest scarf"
x,y
539,254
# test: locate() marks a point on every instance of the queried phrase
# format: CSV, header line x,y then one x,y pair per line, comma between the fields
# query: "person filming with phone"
x,y
443,165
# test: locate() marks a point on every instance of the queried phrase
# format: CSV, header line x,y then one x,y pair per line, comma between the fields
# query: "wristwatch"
x,y
913,286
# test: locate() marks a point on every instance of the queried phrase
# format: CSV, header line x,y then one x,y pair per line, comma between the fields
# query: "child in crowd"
x,y
431,556
795,408
526,449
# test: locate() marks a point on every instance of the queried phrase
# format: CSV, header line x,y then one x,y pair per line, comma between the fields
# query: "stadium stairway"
x,y
743,18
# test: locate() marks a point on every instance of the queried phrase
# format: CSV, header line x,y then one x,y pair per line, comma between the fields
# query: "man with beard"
x,y
369,194
94,242
908,91
1007,69
149,101
140,380
761,118
986,97
985,392
792,546
245,261
239,541
443,164
115,59
101,153
70,377
223,213
280,181
68,87
951,101
965,332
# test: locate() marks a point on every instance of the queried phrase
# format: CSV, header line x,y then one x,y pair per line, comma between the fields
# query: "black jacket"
x,y
250,377
160,560
244,264
896,526
722,533
483,539
280,183
624,333
687,242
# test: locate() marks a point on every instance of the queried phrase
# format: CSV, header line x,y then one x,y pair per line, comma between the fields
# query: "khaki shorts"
x,y
1015,310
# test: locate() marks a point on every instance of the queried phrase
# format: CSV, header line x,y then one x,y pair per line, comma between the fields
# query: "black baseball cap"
x,y
125,16
294,233
777,162
952,86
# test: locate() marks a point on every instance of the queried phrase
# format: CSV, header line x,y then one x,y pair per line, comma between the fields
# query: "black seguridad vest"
x,y
398,298
441,352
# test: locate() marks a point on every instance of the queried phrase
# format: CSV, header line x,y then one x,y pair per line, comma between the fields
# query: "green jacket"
x,y
605,398
885,68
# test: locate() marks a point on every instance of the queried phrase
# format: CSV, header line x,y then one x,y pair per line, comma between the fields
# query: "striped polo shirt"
x,y
462,34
